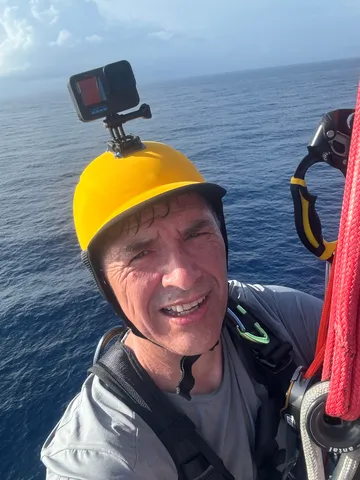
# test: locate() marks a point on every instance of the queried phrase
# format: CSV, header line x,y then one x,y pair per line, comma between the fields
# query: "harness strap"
x,y
127,380
271,363
268,363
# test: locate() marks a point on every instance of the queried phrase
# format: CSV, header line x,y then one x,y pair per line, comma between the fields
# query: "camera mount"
x,y
122,144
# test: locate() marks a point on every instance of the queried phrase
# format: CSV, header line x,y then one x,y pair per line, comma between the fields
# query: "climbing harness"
x,y
269,361
330,395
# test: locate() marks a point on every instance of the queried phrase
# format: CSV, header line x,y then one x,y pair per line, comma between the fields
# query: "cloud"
x,y
31,29
64,38
17,39
162,35
174,36
94,39
43,12
175,15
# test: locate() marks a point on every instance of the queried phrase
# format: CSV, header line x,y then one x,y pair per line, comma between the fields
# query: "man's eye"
x,y
196,234
140,255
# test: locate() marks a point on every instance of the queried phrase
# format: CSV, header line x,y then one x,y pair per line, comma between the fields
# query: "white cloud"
x,y
44,12
17,39
94,39
168,15
31,29
64,39
171,35
162,35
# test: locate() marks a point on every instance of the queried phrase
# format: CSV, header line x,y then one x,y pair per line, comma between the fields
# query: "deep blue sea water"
x,y
246,131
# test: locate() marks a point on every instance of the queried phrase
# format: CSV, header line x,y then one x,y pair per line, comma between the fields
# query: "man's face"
x,y
169,275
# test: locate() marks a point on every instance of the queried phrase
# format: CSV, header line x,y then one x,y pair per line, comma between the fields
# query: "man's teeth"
x,y
185,306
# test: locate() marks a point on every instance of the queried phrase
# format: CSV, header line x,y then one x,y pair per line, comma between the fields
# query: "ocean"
x,y
245,130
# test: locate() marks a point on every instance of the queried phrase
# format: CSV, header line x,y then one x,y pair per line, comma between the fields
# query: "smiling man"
x,y
153,234
169,274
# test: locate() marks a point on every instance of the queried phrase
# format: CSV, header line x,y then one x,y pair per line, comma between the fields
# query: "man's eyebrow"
x,y
137,246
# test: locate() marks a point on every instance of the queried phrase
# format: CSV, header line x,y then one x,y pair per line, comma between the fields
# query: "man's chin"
x,y
189,345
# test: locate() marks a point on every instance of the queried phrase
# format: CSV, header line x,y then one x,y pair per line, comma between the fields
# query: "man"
x,y
152,232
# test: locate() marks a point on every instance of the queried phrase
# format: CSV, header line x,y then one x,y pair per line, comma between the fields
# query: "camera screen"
x,y
91,90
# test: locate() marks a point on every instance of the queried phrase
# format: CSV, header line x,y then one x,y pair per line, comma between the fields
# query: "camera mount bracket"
x,y
121,144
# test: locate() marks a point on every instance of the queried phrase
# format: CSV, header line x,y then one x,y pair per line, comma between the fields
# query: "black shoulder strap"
x,y
126,379
270,364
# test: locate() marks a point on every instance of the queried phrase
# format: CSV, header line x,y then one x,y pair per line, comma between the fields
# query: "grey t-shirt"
x,y
100,438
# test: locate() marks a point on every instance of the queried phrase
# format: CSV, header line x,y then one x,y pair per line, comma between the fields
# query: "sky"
x,y
49,39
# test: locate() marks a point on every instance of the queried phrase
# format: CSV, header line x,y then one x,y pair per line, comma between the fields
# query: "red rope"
x,y
323,329
340,323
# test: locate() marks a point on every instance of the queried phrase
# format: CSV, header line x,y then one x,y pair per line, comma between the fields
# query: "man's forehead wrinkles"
x,y
148,218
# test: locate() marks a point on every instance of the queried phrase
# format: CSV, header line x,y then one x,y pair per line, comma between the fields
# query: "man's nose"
x,y
181,270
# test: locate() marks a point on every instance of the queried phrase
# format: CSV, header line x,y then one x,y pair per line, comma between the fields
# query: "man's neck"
x,y
164,366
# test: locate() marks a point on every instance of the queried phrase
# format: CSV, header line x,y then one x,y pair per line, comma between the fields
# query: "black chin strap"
x,y
187,380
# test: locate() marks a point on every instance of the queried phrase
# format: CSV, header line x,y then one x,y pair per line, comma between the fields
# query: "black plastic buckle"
x,y
276,362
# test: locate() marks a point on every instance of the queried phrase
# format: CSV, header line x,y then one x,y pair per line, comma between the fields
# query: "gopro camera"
x,y
104,91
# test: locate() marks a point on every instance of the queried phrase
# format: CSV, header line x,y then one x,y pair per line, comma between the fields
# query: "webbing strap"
x,y
127,380
271,365
194,459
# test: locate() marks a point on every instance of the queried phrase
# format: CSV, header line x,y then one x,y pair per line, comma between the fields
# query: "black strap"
x,y
127,380
187,380
270,364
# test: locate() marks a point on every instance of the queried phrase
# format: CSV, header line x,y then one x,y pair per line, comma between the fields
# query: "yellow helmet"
x,y
111,187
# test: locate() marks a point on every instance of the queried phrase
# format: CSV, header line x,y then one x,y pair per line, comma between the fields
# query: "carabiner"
x,y
330,144
263,338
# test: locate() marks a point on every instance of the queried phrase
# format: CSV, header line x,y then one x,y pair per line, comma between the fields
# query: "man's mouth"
x,y
184,309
